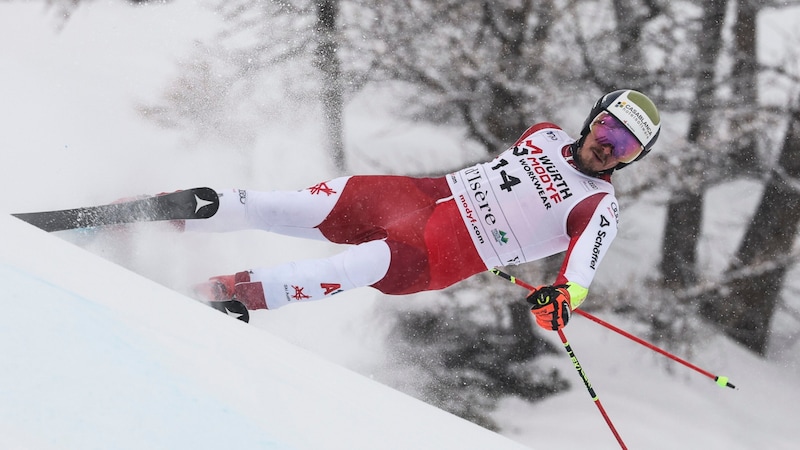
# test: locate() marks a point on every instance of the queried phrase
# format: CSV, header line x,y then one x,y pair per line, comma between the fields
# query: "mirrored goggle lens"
x,y
608,130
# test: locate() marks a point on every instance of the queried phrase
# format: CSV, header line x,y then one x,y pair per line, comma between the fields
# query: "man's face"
x,y
594,157
607,144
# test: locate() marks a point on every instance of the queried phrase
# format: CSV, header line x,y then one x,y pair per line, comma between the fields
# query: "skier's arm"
x,y
591,225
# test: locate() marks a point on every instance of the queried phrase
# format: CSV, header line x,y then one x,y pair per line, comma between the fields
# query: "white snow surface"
x,y
99,348
98,357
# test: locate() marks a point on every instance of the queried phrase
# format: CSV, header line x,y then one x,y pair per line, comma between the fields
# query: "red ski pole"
x,y
575,362
588,385
720,380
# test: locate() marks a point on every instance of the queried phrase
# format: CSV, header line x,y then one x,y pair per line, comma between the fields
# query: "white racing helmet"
x,y
636,111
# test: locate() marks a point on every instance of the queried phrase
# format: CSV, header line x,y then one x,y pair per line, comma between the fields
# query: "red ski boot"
x,y
233,287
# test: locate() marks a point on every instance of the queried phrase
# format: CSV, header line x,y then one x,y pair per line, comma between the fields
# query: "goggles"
x,y
608,130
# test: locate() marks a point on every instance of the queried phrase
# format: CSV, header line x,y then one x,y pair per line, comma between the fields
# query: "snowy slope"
x,y
657,404
95,356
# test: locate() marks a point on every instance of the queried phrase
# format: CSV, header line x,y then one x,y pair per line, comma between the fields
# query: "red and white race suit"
x,y
415,234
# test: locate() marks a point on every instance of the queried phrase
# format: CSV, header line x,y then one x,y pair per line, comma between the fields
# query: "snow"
x,y
96,356
101,350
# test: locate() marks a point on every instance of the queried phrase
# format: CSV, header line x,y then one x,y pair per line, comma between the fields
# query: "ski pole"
x,y
575,362
720,380
588,385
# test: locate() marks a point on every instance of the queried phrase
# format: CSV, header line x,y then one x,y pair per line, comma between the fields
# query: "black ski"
x,y
197,203
233,308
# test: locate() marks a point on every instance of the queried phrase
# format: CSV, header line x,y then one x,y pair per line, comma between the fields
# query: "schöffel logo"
x,y
598,242
639,118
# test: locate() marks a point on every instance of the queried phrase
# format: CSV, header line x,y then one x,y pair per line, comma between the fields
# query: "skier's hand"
x,y
551,306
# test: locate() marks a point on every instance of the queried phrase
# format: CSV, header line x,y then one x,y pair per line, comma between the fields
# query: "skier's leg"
x,y
308,280
294,213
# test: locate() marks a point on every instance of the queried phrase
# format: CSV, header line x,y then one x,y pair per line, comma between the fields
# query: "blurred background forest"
x,y
730,112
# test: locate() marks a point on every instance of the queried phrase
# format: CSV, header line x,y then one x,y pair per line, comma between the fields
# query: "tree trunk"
x,y
332,99
746,312
632,17
684,210
679,259
508,24
744,152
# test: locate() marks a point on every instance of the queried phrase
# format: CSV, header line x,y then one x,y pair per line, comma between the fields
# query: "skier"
x,y
546,194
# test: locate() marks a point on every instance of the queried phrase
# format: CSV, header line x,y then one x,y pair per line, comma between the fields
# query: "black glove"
x,y
551,306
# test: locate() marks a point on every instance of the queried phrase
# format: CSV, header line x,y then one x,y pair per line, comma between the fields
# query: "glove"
x,y
551,306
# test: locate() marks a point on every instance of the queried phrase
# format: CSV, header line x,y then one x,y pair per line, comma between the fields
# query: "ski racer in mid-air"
x,y
546,194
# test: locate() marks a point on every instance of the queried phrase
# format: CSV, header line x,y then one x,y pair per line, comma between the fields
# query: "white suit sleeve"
x,y
592,226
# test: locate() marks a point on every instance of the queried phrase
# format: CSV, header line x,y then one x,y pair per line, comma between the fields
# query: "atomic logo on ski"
x,y
232,313
200,203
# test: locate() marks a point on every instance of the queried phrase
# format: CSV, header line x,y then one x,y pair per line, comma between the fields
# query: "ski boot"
x,y
233,294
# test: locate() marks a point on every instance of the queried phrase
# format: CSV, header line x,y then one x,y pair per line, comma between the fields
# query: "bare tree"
x,y
464,351
224,75
685,207
477,62
331,93
746,311
744,89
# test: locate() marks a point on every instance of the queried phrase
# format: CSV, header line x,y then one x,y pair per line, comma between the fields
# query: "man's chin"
x,y
588,169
